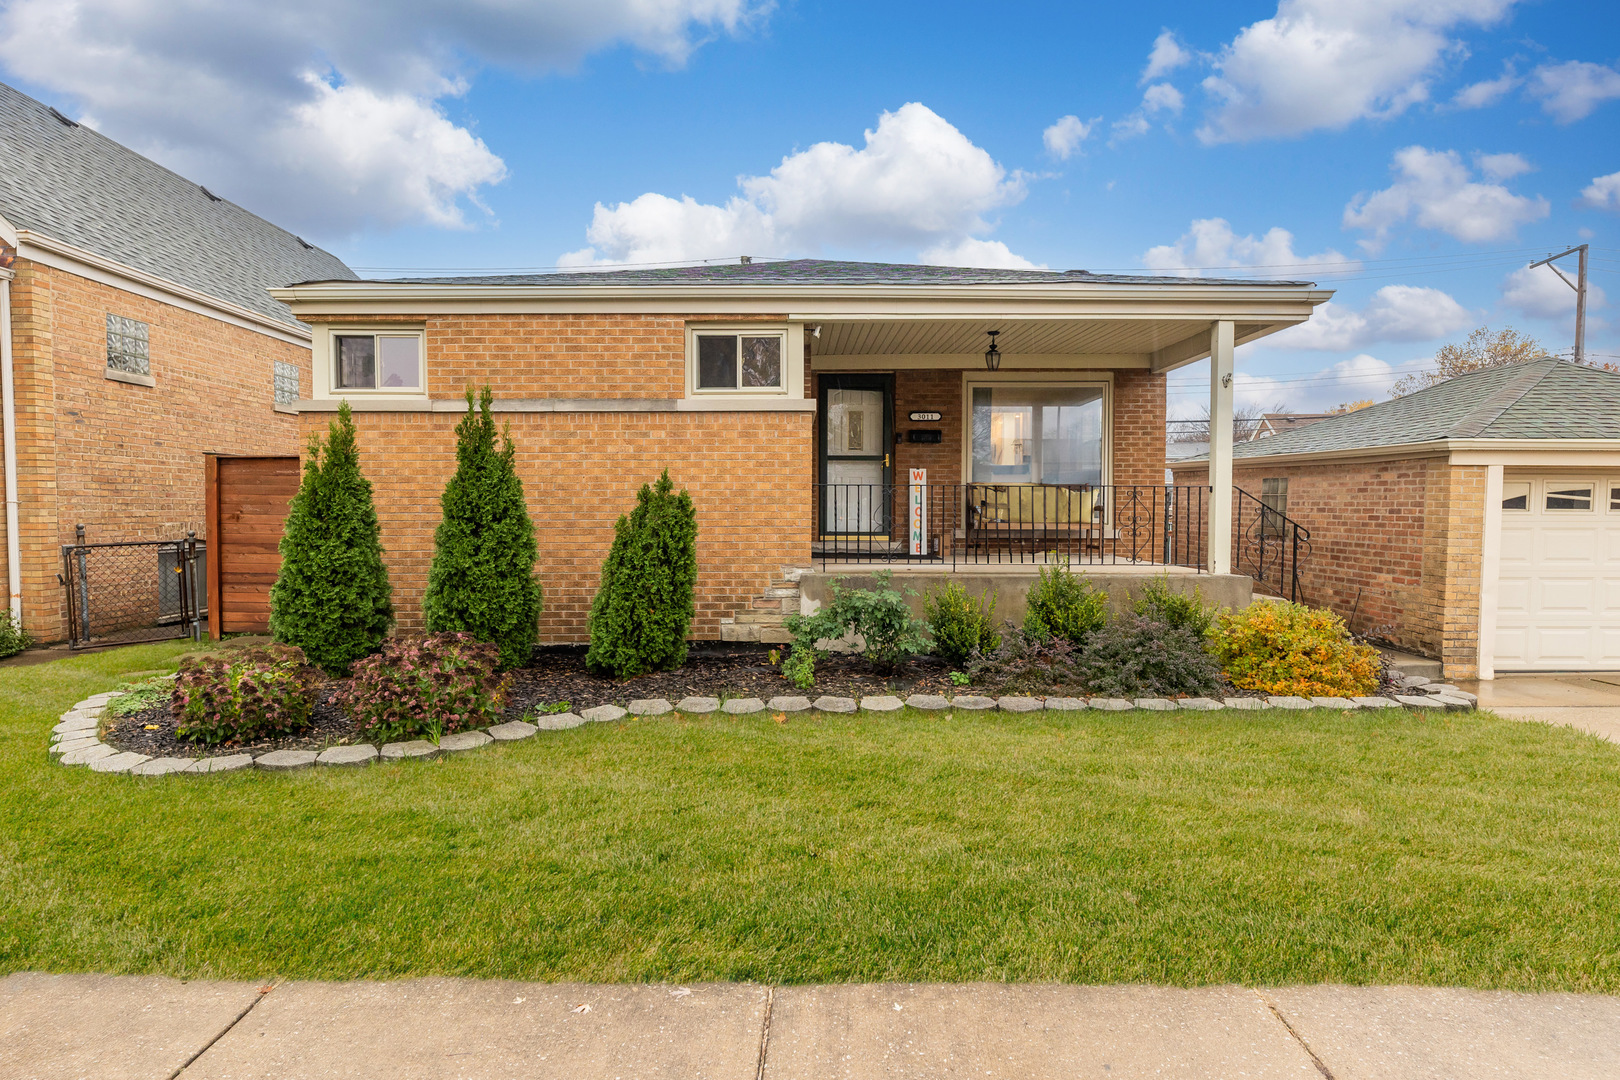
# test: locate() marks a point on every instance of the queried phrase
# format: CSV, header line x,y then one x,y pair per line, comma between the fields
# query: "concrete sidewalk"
x,y
113,1028
1587,701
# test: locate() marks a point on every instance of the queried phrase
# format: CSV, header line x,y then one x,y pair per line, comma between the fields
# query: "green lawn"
x,y
1177,848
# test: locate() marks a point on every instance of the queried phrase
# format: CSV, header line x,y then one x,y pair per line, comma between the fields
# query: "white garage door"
x,y
1558,593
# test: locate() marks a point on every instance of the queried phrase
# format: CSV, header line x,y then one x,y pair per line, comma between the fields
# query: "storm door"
x,y
856,441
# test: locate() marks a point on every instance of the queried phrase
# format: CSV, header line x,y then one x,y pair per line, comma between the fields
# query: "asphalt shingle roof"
x,y
828,272
75,185
1538,399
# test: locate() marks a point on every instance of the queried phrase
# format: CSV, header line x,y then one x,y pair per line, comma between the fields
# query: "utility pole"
x,y
1579,285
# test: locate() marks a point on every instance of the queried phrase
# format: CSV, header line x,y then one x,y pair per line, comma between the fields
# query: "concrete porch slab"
x,y
111,1027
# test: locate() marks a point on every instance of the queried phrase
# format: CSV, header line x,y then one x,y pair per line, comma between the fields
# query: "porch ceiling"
x,y
1164,342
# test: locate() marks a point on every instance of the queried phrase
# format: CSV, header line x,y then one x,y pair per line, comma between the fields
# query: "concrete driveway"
x,y
1590,702
146,1028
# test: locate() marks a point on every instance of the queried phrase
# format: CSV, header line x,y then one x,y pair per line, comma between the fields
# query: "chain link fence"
x,y
135,590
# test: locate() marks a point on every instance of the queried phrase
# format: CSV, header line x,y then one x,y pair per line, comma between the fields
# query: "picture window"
x,y
128,344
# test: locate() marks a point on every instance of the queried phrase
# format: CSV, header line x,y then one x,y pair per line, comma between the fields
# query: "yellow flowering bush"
x,y
1282,648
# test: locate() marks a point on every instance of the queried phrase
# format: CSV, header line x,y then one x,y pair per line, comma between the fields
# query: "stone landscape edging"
x,y
76,740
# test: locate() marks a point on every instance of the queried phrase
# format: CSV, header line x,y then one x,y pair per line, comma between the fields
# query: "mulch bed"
x,y
558,675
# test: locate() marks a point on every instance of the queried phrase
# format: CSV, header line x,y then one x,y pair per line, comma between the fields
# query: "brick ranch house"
x,y
794,399
136,339
1476,522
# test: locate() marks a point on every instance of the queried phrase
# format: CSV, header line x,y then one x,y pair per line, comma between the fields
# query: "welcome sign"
x,y
919,511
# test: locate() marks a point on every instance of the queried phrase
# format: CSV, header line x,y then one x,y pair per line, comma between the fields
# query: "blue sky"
x,y
1416,154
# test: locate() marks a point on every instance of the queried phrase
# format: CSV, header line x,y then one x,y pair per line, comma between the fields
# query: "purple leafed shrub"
x,y
245,695
426,686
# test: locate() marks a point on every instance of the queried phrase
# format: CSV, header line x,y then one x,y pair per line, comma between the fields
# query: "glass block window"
x,y
1274,500
286,380
127,346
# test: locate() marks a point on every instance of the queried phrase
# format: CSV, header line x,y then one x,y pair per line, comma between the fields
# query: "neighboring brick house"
x,y
138,339
1477,521
791,398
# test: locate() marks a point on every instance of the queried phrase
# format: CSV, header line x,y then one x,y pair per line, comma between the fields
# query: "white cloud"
x,y
918,182
1570,91
1502,166
1209,245
1603,193
1063,138
324,115
1434,189
1394,313
1482,95
1167,55
1538,292
1129,127
1327,63
971,251
1161,96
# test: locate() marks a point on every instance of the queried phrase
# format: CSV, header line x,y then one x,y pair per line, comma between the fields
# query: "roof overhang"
x,y
1517,453
1159,326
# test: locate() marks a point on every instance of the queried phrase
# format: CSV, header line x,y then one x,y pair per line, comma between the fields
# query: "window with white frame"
x,y
286,383
1024,433
387,361
750,362
128,344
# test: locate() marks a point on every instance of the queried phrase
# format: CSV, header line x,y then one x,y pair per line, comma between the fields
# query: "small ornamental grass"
x,y
1283,648
431,685
247,695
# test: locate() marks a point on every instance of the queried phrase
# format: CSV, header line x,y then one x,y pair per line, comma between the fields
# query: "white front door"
x,y
1558,588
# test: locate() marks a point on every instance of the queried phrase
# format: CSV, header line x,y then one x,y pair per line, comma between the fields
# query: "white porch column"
x,y
1220,448
1490,565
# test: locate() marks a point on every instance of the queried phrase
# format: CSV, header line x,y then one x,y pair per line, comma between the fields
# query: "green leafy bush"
x,y
134,697
889,632
1063,604
332,598
432,685
13,638
1283,648
1137,656
642,611
482,578
799,668
961,623
236,697
1025,662
1161,603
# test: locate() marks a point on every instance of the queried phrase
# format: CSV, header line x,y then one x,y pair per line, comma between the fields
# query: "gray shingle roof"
x,y
828,272
1539,399
77,186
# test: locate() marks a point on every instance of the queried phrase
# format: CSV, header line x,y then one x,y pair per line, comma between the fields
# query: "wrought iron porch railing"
x,y
1269,546
980,524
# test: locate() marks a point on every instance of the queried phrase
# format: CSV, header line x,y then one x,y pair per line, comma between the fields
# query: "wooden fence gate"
x,y
247,501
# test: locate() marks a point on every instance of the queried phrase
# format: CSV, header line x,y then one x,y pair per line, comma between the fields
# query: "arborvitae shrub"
x,y
1063,604
642,611
482,580
961,623
332,598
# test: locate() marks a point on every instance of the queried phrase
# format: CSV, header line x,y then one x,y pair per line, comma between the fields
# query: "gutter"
x,y
8,413
1430,448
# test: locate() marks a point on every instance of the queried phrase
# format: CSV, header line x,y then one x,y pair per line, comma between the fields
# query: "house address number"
x,y
926,416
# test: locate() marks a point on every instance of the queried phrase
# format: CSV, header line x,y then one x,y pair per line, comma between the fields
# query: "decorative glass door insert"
x,y
854,433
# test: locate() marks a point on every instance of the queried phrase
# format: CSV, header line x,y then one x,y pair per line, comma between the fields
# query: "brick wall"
x,y
126,461
1395,547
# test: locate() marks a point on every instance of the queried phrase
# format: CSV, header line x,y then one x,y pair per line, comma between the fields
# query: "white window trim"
x,y
1102,379
324,359
792,361
1552,483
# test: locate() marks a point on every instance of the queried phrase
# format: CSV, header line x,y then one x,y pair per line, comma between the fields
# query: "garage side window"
x,y
1614,498
1516,495
1569,496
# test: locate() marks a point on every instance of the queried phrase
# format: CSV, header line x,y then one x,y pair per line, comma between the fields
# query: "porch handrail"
x,y
1268,545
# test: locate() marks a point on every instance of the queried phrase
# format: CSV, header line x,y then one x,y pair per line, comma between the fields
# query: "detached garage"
x,y
1476,522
